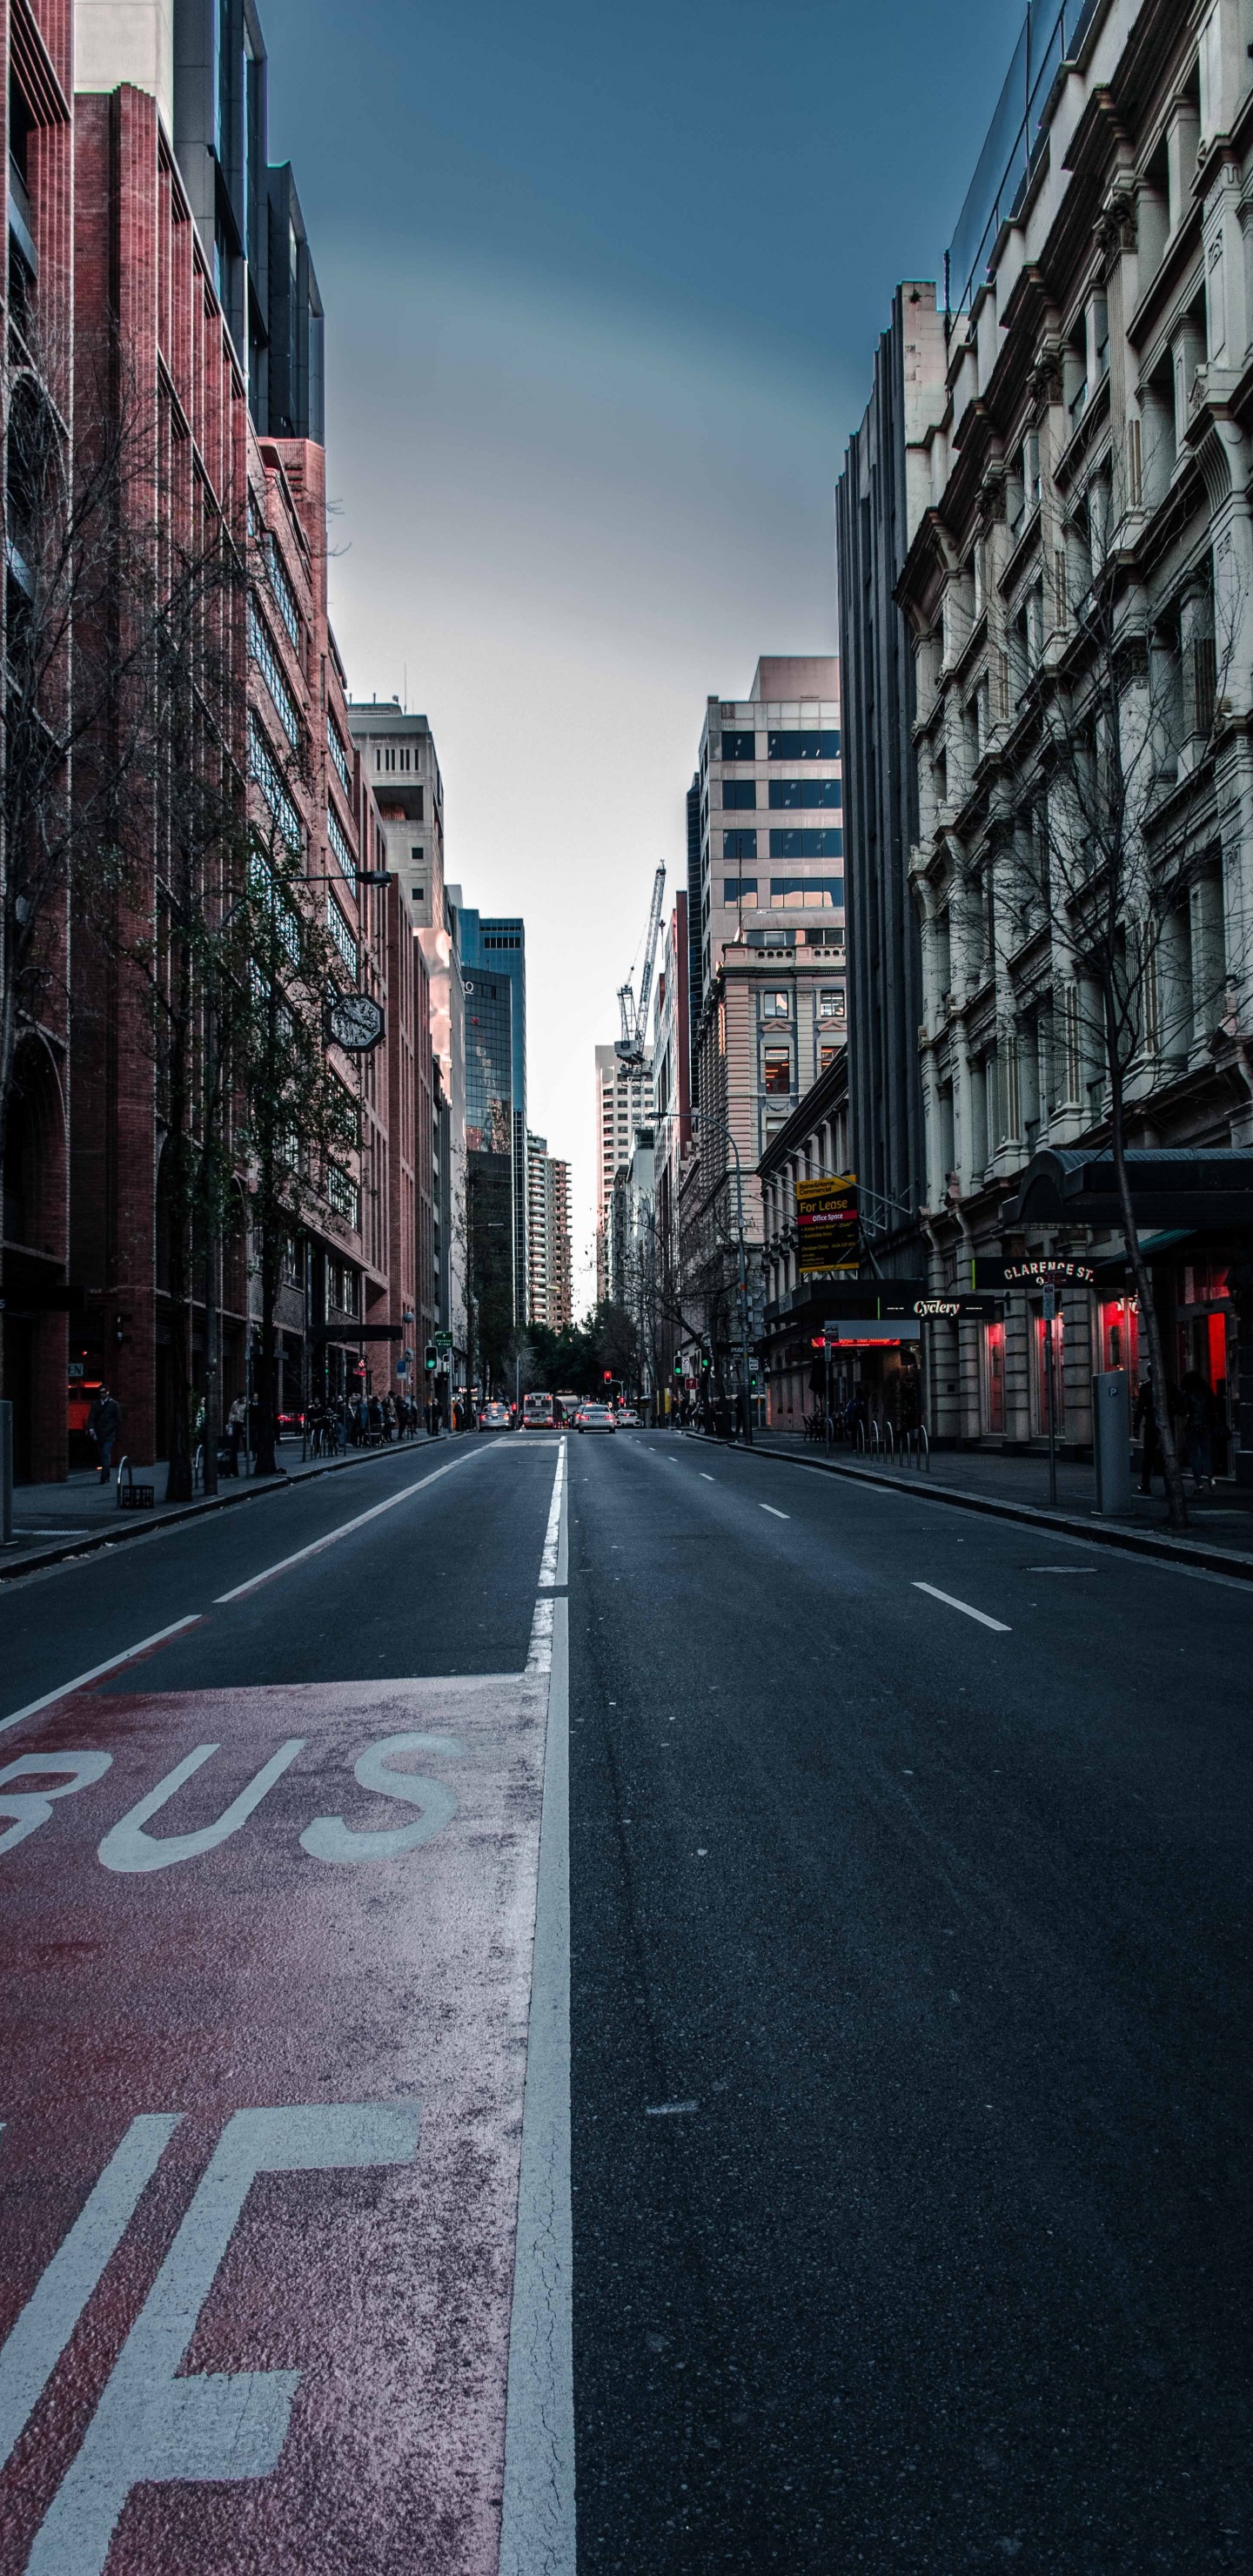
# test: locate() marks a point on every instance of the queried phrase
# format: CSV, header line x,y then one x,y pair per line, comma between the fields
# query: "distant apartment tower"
x,y
624,1101
548,1235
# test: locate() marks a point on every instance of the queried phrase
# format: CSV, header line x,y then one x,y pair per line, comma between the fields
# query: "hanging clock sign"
x,y
355,1022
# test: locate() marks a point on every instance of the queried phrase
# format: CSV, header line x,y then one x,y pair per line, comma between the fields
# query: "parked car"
x,y
595,1417
495,1417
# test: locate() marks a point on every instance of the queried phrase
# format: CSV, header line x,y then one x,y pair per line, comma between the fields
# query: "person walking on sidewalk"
x,y
104,1422
235,1425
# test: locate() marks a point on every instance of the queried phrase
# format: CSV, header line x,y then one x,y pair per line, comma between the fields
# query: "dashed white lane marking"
x,y
769,1507
359,1520
951,1601
667,2110
705,1480
1061,1569
111,1664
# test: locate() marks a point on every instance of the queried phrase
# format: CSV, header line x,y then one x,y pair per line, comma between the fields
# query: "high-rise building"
x,y
880,500
400,766
624,1101
773,1003
498,947
548,1235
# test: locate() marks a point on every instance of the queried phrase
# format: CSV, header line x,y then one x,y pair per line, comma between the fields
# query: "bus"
x,y
538,1413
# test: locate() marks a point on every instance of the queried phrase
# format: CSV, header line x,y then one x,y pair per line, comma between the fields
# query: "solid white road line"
x,y
111,1664
548,1574
950,1598
537,2535
769,1507
316,1545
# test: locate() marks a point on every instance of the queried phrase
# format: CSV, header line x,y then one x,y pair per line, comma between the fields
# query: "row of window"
x,y
339,845
261,647
339,757
776,1066
786,845
781,746
787,894
778,1006
268,777
739,795
341,933
396,755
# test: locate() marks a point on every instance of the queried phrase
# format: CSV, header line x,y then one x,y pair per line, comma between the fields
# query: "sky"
x,y
603,288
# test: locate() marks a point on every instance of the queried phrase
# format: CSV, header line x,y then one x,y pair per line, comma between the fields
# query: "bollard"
x,y
1111,1441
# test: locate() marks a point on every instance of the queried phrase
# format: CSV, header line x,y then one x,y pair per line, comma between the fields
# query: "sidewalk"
x,y
1220,1520
54,1522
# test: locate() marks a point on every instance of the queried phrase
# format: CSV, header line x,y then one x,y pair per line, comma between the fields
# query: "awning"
x,y
1176,1192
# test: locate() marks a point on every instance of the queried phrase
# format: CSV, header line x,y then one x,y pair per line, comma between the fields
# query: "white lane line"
x,y
111,1664
46,2323
538,2507
952,1602
769,1507
548,1574
668,2110
705,1480
1061,1569
316,1545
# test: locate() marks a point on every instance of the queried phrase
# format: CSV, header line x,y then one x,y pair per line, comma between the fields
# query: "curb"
x,y
1175,1551
250,1492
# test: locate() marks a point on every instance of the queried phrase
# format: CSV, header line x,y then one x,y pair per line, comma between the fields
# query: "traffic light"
x,y
431,1356
609,1377
678,1368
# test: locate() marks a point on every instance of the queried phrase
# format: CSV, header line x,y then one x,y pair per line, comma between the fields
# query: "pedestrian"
x,y
1146,1420
1198,1428
235,1424
104,1422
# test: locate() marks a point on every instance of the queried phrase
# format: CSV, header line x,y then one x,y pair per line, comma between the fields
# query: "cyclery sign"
x,y
1049,1274
827,1224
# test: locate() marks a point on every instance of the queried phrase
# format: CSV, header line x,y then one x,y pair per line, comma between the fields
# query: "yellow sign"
x,y
827,1223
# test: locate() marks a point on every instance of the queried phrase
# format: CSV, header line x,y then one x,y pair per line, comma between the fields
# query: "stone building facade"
x,y
1089,468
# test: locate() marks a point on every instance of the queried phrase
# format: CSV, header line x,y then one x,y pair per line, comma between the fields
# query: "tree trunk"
x,y
178,1480
1172,1473
212,1328
267,1405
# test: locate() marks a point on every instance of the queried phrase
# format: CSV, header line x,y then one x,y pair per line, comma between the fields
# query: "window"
x,y
808,845
831,1003
339,846
265,772
994,1377
776,1070
806,894
802,746
787,792
284,595
339,757
776,1006
739,795
829,1052
344,1196
739,890
261,647
740,746
341,934
739,845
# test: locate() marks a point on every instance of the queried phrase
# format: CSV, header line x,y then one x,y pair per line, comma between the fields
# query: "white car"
x,y
627,1420
595,1417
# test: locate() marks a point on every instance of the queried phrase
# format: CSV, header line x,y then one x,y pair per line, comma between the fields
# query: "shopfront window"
x,y
1046,1338
994,1377
1120,1335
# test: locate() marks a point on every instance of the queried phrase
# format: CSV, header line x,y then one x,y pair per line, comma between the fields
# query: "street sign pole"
x,y
1050,1311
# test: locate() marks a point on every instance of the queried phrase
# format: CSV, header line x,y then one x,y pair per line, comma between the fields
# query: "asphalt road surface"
x,y
641,1997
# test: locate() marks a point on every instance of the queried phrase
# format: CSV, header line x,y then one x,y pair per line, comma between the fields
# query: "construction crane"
x,y
629,1048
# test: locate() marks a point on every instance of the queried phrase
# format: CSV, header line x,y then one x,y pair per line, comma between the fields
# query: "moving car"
x,y
495,1417
628,1420
595,1417
537,1413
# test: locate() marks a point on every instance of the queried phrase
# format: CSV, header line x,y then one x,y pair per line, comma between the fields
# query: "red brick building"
x,y
118,242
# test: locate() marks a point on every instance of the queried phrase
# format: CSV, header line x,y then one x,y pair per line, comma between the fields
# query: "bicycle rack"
x,y
133,1497
860,1441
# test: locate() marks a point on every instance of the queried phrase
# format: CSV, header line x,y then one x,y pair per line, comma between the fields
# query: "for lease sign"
x,y
827,1224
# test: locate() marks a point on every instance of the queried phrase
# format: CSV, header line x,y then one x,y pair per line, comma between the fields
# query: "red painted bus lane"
x,y
262,2059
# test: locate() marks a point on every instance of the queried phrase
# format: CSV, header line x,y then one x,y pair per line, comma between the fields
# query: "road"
x,y
827,2150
